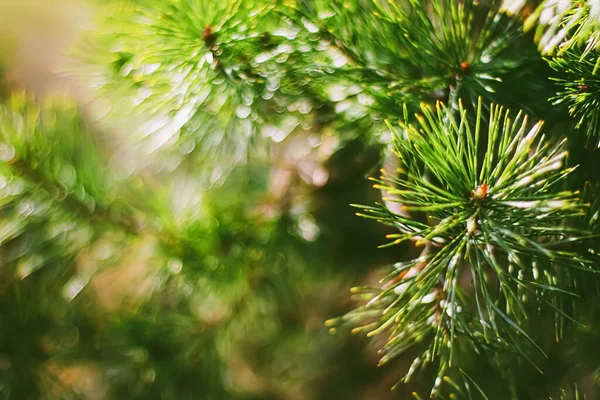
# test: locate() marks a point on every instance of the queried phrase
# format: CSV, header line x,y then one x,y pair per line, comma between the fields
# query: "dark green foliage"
x,y
577,395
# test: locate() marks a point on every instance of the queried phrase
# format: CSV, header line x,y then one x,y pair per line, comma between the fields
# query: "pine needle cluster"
x,y
492,242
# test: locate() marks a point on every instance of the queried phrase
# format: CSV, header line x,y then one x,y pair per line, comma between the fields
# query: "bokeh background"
x,y
191,290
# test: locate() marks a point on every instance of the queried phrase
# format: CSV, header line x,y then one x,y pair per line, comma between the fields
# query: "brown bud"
x,y
480,192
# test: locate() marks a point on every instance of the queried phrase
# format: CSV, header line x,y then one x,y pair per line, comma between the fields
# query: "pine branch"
x,y
418,51
217,81
562,25
495,219
579,89
503,236
280,61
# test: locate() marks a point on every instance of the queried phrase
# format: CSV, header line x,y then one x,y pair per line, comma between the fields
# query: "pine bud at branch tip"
x,y
480,192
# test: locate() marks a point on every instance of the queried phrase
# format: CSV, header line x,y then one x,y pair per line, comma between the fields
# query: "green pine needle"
x,y
577,395
422,50
579,90
202,77
495,221
562,25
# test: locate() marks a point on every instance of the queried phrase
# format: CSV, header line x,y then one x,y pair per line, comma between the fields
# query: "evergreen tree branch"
x,y
495,218
562,25
59,207
579,89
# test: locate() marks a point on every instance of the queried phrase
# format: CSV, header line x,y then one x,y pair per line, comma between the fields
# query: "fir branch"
x,y
496,219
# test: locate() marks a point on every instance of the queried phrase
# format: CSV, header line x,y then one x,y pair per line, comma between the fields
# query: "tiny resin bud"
x,y
480,192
